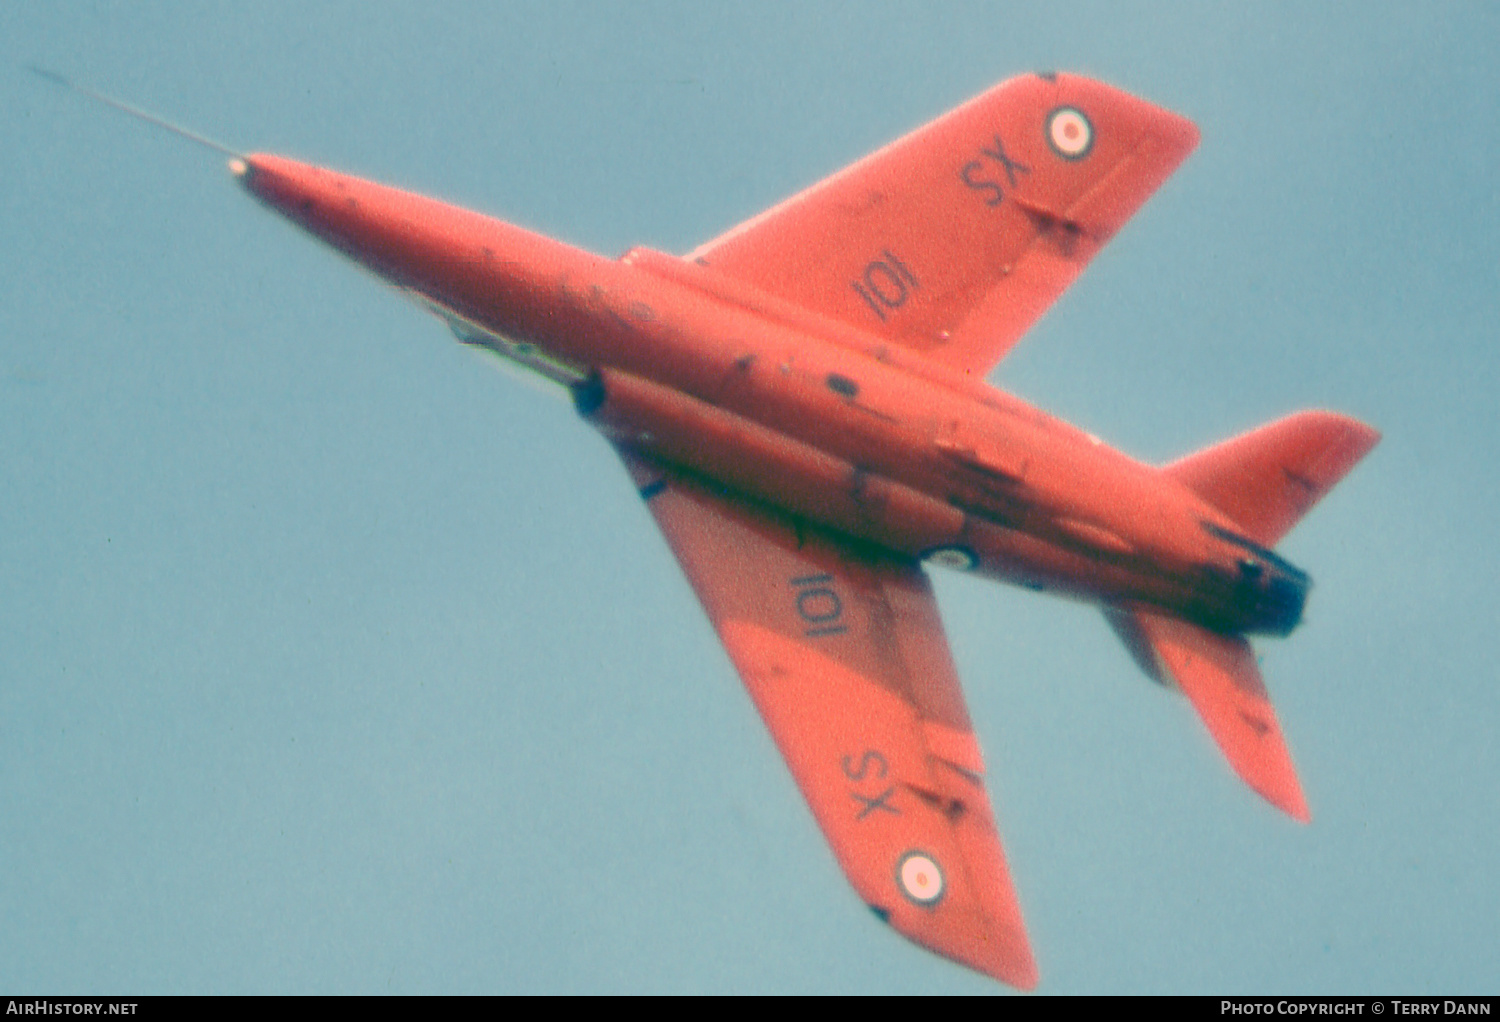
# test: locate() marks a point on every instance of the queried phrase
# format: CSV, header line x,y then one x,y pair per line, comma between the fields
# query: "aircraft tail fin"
x,y
1268,478
1219,676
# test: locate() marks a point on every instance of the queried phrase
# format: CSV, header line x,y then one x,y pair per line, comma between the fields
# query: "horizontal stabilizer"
x,y
1268,478
1219,676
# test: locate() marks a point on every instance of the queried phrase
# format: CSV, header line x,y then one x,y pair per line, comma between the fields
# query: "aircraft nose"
x,y
362,219
290,187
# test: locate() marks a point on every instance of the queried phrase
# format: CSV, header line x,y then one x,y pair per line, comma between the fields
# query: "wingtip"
x,y
1296,808
1369,437
1015,967
1283,792
1025,978
1008,958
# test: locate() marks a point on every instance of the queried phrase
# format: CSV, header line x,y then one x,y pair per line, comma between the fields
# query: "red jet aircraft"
x,y
801,404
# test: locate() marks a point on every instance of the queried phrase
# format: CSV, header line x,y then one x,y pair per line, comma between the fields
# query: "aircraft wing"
x,y
844,655
955,239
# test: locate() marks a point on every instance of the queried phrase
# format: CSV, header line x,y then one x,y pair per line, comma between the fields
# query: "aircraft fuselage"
x,y
812,416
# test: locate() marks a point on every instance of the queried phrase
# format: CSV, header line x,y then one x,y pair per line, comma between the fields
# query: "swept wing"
x,y
953,240
843,653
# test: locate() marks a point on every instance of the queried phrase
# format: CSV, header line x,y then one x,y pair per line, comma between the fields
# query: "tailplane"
x,y
1268,478
1219,676
1265,480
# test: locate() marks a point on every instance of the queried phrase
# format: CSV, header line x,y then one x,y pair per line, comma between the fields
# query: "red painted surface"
x,y
801,402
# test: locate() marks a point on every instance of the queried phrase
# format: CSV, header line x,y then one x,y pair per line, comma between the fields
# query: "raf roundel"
x,y
920,878
1069,133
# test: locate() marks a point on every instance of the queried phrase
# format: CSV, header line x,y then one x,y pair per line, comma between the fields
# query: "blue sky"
x,y
334,660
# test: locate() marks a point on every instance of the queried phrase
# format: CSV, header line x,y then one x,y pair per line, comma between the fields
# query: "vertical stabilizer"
x,y
1268,478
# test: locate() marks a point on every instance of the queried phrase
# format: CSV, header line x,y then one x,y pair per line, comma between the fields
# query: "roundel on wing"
x,y
1069,133
920,878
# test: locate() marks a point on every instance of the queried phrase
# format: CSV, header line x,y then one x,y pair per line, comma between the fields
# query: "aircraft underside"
x,y
800,403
